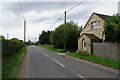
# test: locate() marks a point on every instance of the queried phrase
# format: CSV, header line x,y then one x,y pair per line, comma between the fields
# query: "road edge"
x,y
23,67
95,64
85,61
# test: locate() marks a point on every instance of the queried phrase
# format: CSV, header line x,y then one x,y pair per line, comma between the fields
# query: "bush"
x,y
10,47
112,29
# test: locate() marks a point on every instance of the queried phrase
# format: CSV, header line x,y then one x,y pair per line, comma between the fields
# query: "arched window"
x,y
83,44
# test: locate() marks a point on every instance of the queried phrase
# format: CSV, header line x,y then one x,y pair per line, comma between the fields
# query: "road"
x,y
42,63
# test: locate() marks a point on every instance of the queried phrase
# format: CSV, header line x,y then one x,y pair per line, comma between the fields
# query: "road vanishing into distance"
x,y
43,63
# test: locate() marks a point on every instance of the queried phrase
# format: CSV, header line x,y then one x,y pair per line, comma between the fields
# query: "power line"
x,y
24,21
21,10
56,21
66,12
75,6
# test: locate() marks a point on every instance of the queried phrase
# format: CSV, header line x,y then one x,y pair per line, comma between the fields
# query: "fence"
x,y
107,50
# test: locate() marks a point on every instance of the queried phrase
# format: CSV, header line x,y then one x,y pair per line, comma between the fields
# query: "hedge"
x,y
10,47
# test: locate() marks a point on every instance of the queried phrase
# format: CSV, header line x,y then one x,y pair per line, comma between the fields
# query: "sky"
x,y
41,15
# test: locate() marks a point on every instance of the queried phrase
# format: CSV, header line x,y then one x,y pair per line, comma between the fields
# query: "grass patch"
x,y
104,61
11,67
51,47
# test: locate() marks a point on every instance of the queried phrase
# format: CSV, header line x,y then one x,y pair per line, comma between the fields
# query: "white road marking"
x,y
81,77
58,62
45,54
40,51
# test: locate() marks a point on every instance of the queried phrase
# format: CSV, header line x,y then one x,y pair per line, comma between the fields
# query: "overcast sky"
x,y
42,15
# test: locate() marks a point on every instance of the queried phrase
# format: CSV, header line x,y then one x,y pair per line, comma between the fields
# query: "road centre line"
x,y
45,54
58,62
81,77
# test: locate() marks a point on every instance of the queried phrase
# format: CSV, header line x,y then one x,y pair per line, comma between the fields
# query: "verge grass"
x,y
11,67
51,47
99,60
103,61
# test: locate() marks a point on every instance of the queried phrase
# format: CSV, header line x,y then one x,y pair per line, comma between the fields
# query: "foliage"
x,y
104,61
112,29
66,34
51,47
44,37
12,65
10,47
2,38
29,42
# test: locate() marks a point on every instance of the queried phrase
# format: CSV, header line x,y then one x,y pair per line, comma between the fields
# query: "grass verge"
x,y
51,47
104,61
99,60
12,65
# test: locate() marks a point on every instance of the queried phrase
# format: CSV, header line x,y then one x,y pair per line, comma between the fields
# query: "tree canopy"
x,y
112,29
44,37
66,35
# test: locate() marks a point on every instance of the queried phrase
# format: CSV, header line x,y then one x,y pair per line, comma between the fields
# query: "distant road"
x,y
43,63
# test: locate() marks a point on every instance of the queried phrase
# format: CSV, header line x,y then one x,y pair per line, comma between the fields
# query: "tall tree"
x,y
66,34
44,37
112,29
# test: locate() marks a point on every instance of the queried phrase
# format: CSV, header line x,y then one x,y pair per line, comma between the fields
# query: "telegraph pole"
x,y
65,17
7,36
24,30
64,30
35,40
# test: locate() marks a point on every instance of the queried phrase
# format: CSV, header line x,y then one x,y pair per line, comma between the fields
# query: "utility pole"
x,y
7,36
35,40
65,17
64,31
24,30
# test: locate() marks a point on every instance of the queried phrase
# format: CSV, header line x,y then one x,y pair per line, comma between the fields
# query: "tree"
x,y
65,34
30,42
52,37
2,38
112,29
44,37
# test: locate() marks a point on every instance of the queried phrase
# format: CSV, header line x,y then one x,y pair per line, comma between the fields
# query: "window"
x,y
94,24
83,44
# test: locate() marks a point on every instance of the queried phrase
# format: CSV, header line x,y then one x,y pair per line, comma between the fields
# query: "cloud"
x,y
34,6
42,15
58,0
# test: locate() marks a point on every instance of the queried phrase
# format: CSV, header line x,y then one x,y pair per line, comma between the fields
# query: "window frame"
x,y
83,44
94,25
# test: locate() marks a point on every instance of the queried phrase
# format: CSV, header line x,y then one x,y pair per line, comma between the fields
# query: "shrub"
x,y
10,47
